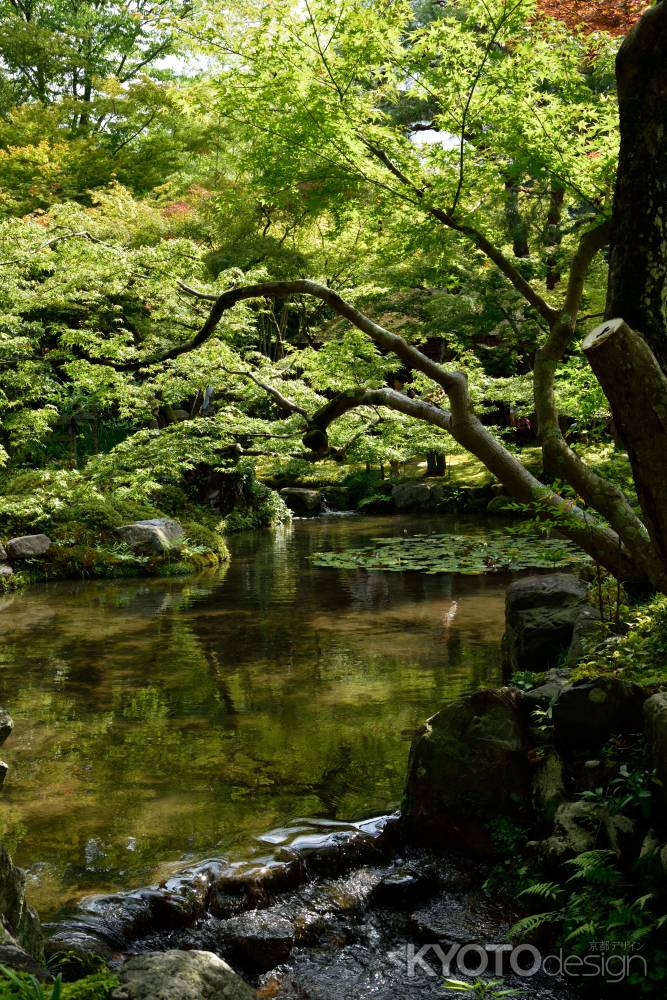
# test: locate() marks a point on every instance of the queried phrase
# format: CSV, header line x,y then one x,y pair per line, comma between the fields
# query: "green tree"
x,y
329,92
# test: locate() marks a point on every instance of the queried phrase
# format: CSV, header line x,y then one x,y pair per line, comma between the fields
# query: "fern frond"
x,y
529,924
543,890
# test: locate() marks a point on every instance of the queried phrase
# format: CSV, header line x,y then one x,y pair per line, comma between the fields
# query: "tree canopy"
x,y
411,208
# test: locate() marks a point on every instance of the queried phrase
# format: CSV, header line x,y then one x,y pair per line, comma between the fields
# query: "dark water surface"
x,y
159,721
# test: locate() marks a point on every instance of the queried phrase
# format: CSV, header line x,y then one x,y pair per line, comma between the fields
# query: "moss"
x,y
97,987
265,509
204,535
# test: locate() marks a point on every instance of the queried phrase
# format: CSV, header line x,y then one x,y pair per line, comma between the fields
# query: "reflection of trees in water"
x,y
179,714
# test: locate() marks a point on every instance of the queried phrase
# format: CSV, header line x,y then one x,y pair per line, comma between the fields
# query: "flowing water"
x,y
163,720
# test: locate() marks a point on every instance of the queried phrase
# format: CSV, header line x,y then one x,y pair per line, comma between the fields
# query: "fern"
x,y
522,928
550,891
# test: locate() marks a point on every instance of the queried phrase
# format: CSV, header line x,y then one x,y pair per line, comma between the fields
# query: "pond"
x,y
159,721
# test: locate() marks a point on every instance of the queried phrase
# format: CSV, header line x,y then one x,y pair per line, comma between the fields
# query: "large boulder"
x,y
28,546
417,496
469,764
19,920
153,537
180,975
541,613
302,502
587,713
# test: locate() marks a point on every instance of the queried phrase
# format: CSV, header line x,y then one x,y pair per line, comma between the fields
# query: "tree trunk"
x,y
636,388
637,288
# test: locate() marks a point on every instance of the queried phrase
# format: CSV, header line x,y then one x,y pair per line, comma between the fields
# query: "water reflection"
x,y
171,718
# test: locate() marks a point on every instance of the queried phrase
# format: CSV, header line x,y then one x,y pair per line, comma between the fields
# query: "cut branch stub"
x,y
636,388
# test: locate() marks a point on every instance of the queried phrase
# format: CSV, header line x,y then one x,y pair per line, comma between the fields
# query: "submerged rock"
x,y
468,764
258,940
302,502
180,975
28,546
154,536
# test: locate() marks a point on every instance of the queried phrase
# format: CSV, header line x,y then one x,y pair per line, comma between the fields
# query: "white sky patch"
x,y
431,137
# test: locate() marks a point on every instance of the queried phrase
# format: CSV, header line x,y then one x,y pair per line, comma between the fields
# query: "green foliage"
x,y
640,655
480,988
21,986
596,903
26,987
96,987
525,680
507,836
631,791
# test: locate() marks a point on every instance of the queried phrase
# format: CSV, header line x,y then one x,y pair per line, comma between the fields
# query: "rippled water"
x,y
166,719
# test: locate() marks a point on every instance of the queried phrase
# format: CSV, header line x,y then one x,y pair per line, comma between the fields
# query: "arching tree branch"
x,y
462,422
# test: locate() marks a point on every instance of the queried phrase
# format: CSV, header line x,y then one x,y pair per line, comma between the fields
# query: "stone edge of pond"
x,y
108,924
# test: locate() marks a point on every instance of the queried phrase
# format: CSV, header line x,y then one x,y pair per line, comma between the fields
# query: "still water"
x,y
166,720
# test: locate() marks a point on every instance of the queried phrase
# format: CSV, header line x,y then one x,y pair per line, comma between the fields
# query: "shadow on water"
x,y
162,720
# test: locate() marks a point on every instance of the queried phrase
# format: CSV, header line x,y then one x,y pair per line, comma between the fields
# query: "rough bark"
x,y
636,388
637,288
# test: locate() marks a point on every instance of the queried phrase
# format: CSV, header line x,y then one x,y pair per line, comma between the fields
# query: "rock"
x,y
18,918
663,859
621,832
453,919
586,714
5,571
3,772
336,498
548,786
6,725
469,764
417,496
401,889
258,940
303,503
28,547
547,692
586,625
3,553
593,775
180,975
650,845
13,956
154,536
575,830
655,725
540,617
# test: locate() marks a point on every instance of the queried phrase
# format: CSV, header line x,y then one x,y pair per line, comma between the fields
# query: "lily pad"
x,y
497,551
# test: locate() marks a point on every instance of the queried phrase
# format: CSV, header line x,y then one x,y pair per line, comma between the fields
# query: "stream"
x,y
161,721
